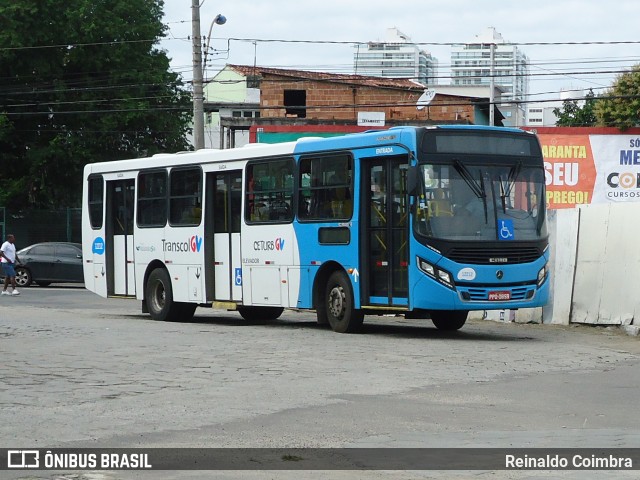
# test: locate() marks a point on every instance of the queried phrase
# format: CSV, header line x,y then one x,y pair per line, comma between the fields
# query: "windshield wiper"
x,y
507,187
476,187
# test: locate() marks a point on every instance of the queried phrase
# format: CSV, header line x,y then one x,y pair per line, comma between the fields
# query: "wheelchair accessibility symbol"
x,y
237,277
505,230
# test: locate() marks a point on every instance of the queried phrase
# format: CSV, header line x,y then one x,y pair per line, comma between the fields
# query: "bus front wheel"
x,y
159,297
449,320
338,305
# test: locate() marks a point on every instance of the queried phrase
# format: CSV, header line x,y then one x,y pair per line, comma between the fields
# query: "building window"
x,y
295,103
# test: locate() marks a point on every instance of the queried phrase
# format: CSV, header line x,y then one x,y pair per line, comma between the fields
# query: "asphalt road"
x,y
77,370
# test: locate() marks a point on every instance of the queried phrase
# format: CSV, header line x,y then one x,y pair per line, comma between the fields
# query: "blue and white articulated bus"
x,y
425,222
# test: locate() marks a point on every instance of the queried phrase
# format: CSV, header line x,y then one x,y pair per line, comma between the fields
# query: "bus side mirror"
x,y
413,186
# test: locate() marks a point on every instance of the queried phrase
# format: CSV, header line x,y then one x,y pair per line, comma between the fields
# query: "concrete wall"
x,y
595,265
563,239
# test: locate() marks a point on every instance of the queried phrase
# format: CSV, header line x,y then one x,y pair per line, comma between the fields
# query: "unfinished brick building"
x,y
318,95
299,98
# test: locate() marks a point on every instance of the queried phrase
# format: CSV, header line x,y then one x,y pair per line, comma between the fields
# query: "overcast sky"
x,y
426,22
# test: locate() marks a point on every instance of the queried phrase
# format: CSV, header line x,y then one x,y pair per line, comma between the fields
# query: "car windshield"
x,y
481,202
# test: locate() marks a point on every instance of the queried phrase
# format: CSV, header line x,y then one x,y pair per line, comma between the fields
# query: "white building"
x,y
540,114
471,65
396,57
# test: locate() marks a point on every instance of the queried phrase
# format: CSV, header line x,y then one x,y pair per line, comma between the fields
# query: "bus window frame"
x,y
197,195
325,188
101,202
166,197
249,195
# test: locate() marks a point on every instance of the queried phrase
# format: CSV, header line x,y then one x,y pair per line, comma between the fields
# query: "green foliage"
x,y
573,115
82,81
620,106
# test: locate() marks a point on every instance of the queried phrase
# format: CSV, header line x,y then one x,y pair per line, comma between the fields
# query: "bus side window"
x,y
152,198
269,194
96,201
304,193
185,196
326,187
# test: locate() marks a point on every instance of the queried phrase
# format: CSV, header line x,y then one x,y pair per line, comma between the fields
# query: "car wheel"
x,y
23,277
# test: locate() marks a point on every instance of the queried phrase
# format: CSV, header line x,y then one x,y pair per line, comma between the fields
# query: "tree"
x,y
573,115
620,106
82,81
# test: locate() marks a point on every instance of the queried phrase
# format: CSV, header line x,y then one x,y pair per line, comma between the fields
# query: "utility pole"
x,y
198,95
492,83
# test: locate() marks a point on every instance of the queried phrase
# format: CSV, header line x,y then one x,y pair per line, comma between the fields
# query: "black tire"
x,y
187,311
23,277
449,320
159,297
321,312
339,305
260,314
43,283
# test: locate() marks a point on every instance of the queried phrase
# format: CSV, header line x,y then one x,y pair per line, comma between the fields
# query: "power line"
x,y
318,42
326,106
34,90
76,45
441,44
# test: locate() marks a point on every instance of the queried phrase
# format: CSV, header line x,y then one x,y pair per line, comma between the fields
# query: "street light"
x,y
198,94
219,19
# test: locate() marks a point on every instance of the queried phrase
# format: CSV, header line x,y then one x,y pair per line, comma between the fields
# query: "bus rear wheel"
x,y
159,297
338,305
257,314
449,320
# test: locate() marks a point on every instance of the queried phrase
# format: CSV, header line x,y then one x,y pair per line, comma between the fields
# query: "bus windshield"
x,y
485,202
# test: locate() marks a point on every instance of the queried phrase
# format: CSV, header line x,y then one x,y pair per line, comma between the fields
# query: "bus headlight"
x,y
426,267
542,275
445,277
436,273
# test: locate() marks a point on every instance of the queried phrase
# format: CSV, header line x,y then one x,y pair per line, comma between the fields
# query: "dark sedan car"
x,y
51,262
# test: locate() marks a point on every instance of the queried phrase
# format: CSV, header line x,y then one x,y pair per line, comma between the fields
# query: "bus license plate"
x,y
498,296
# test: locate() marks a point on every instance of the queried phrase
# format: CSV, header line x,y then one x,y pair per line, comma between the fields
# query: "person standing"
x,y
9,258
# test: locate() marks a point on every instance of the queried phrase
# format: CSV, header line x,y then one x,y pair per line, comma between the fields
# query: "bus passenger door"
x,y
385,243
119,241
222,236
